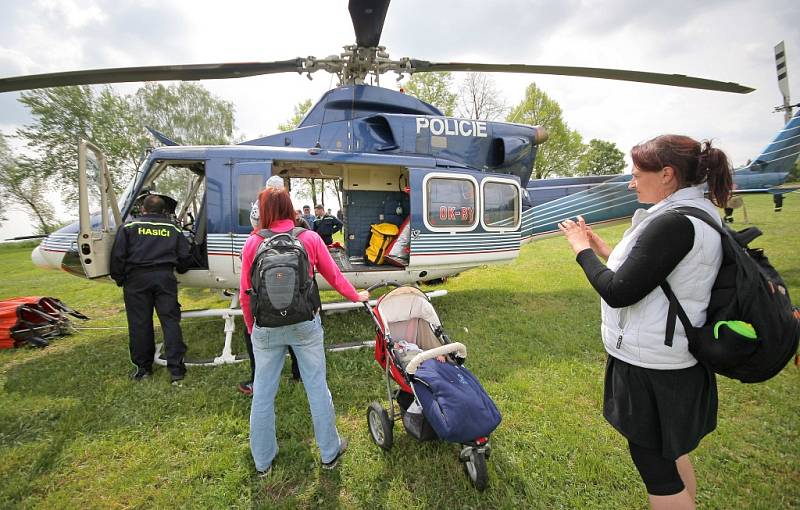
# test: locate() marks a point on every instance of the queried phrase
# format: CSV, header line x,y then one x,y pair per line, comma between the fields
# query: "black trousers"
x,y
143,291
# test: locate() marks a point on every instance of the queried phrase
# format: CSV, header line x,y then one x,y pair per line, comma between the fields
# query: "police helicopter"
x,y
453,187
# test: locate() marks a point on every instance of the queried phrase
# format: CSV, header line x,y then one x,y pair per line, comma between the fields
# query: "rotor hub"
x,y
355,63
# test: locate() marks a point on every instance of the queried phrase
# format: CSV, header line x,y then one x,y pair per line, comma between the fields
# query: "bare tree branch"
x,y
479,98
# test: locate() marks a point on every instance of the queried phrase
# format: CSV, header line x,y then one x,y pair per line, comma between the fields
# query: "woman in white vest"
x,y
656,393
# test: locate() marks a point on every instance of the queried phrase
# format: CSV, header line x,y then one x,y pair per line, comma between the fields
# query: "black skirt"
x,y
665,410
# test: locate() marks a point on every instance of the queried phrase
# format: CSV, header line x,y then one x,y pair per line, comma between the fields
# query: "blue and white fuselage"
x,y
461,185
607,199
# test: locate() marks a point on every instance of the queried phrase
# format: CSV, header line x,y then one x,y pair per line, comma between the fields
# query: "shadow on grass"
x,y
85,397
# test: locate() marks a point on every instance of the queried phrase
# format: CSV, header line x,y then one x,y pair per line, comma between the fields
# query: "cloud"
x,y
70,14
721,39
14,62
501,31
69,35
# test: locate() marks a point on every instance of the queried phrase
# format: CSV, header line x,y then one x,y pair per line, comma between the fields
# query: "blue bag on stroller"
x,y
454,402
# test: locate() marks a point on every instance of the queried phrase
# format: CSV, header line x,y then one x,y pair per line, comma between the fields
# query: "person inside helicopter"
x,y
170,205
190,227
325,224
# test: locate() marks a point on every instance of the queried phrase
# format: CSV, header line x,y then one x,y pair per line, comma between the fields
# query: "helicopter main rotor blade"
x,y
149,73
368,17
675,80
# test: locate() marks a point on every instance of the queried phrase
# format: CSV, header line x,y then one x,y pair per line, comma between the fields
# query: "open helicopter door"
x,y
96,235
461,218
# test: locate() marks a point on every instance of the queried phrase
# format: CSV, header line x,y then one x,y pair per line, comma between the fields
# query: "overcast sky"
x,y
717,39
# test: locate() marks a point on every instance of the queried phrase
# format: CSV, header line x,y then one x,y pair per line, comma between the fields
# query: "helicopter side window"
x,y
500,205
249,187
450,202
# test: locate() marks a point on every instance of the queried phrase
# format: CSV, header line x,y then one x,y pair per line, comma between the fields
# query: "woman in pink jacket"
x,y
276,213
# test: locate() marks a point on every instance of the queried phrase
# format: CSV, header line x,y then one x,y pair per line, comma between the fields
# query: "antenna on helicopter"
x,y
783,82
161,137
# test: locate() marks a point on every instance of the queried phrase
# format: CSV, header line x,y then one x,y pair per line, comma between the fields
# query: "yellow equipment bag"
x,y
382,236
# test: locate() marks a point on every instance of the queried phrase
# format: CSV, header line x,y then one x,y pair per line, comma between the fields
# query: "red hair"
x,y
274,205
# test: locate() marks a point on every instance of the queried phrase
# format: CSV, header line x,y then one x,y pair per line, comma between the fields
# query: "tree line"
x,y
115,122
189,114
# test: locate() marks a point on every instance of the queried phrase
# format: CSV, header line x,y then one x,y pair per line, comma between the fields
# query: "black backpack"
x,y
282,290
751,331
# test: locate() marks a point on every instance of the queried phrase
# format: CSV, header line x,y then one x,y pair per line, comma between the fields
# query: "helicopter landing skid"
x,y
229,314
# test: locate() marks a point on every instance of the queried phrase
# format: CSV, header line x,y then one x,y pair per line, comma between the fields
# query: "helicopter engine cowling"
x,y
364,118
507,150
510,150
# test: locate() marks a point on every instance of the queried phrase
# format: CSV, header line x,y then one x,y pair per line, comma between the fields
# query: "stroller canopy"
x,y
404,304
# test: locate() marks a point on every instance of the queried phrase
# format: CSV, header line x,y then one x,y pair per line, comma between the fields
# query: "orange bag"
x,y
33,320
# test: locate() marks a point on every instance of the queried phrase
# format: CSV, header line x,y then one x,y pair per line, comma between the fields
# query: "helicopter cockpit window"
x,y
450,202
93,176
126,197
98,202
500,205
184,185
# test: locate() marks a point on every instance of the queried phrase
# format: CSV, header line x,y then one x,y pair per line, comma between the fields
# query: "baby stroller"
x,y
412,348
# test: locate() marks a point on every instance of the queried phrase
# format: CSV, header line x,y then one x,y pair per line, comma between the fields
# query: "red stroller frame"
x,y
408,312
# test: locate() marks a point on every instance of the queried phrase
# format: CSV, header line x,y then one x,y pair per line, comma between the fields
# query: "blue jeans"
x,y
269,347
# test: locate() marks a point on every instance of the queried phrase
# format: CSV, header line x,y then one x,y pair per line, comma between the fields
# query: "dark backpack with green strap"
x,y
751,330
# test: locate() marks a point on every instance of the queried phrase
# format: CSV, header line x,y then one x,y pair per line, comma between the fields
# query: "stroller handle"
x,y
368,307
372,287
382,284
457,347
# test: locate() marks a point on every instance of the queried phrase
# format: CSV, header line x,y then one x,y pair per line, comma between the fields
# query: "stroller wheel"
x,y
475,466
380,426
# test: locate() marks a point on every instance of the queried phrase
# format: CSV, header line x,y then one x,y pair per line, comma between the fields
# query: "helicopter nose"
x,y
46,259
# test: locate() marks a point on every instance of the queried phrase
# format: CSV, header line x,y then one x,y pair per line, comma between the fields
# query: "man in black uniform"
x,y
326,224
146,251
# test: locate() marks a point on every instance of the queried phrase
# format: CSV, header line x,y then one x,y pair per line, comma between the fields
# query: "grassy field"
x,y
75,432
